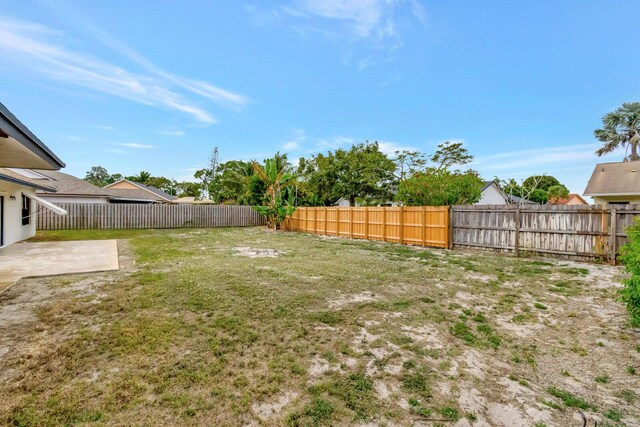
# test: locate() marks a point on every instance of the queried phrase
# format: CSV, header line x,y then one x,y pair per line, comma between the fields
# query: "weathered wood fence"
x,y
583,232
576,231
128,216
424,225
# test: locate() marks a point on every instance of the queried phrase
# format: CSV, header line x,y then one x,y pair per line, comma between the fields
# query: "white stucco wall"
x,y
492,196
14,231
73,199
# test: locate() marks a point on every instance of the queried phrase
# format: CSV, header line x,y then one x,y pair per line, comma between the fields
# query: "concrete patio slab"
x,y
33,259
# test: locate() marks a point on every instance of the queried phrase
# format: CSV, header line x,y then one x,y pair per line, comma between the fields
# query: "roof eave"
x,y
18,131
25,183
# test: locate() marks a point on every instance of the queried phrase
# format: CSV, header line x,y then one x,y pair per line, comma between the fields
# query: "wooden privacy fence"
x,y
105,216
423,225
576,231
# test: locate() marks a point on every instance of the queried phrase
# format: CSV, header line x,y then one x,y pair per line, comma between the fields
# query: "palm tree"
x,y
621,129
275,174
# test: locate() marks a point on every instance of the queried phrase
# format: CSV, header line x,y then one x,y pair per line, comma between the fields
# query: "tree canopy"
x,y
621,128
438,184
362,171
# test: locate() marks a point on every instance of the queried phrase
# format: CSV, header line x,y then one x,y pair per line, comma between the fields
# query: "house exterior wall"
x,y
125,185
575,201
73,199
492,196
605,200
14,231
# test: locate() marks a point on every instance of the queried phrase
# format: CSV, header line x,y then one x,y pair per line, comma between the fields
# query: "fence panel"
x,y
583,232
103,216
423,226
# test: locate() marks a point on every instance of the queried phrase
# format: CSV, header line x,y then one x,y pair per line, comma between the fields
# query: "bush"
x,y
630,255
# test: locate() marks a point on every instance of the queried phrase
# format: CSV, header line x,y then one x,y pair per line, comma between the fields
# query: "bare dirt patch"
x,y
257,253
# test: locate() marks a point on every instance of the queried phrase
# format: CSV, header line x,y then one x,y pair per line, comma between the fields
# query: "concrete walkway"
x,y
33,259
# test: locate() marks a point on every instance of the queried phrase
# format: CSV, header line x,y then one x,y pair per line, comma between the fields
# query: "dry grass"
x,y
251,327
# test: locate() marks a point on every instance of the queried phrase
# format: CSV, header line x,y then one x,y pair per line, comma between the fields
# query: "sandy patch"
x,y
273,408
248,252
423,333
346,300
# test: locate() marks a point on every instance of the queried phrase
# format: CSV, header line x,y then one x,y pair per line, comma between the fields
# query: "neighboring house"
x,y
615,183
570,200
492,194
20,148
125,191
66,188
192,201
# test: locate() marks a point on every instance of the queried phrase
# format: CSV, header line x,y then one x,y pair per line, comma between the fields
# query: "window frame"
x,y
26,210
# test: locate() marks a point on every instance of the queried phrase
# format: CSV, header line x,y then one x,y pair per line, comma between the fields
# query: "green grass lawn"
x,y
327,332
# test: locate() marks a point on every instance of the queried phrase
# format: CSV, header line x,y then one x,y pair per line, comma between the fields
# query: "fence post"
x,y
325,210
516,225
384,224
351,213
424,226
401,232
315,220
338,221
613,238
450,227
366,222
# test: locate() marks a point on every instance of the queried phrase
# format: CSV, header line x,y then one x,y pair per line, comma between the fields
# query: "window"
x,y
26,210
618,203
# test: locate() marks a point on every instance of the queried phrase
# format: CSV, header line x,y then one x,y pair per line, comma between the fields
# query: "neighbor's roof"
x,y
27,138
14,177
192,201
65,184
488,184
565,200
619,178
145,192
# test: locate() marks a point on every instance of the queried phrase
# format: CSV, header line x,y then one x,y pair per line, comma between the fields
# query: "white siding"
x,y
492,196
14,231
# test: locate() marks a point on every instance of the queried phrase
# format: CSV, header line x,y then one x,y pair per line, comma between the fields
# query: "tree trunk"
x,y
634,151
352,200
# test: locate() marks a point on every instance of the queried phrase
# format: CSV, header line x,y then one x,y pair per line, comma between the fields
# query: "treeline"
x,y
361,174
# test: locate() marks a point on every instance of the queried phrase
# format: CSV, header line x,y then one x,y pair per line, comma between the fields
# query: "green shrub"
x,y
630,255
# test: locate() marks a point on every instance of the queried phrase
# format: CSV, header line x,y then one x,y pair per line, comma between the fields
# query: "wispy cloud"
x,y
38,49
135,145
172,132
377,23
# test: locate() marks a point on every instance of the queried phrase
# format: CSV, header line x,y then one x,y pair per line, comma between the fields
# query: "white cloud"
x,y
291,145
172,133
536,158
390,148
378,23
135,145
38,49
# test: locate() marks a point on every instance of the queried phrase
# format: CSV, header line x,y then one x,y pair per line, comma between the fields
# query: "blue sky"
x,y
133,87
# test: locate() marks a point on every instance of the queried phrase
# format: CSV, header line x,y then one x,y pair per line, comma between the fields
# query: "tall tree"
x,y
275,174
363,171
557,192
438,185
621,128
97,175
141,177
